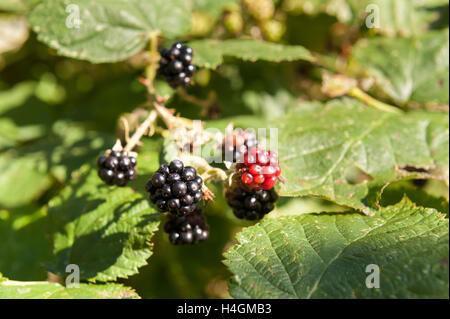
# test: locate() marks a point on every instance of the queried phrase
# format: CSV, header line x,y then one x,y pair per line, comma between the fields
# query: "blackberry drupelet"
x,y
189,229
176,65
175,188
117,168
251,204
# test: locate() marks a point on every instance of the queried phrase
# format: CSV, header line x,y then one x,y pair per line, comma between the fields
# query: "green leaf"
x,y
104,230
169,150
326,255
70,146
412,70
322,147
24,177
395,192
210,53
148,159
28,171
13,5
23,117
17,5
23,245
109,31
291,206
401,17
183,271
48,290
212,7
16,96
239,121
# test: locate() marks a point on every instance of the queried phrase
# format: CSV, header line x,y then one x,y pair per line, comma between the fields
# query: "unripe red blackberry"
x,y
188,229
176,65
117,168
175,188
260,169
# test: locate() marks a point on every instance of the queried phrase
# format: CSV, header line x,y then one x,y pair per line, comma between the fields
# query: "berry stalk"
x,y
143,128
154,58
361,95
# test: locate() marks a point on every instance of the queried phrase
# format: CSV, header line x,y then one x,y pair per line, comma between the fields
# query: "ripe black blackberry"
x,y
251,204
176,65
189,229
117,167
236,145
175,188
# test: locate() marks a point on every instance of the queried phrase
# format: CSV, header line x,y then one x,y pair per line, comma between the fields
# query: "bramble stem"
x,y
364,97
205,104
333,64
153,62
338,66
143,128
150,73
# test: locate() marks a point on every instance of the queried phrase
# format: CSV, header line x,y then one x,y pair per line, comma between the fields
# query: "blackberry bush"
x,y
176,65
250,204
358,104
188,229
117,168
175,188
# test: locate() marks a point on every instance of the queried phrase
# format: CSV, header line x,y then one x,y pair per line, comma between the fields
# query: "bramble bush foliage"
x,y
359,93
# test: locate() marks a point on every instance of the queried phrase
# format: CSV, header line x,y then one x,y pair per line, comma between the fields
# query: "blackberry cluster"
x,y
176,65
251,204
236,145
175,188
189,229
260,169
117,168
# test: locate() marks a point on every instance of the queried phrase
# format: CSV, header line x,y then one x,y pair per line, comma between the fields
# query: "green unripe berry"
x,y
273,30
233,22
260,9
202,24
